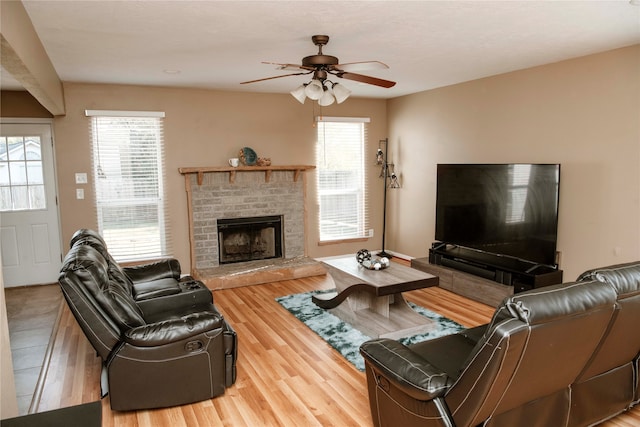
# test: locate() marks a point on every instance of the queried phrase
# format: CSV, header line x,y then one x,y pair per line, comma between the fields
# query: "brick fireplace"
x,y
219,196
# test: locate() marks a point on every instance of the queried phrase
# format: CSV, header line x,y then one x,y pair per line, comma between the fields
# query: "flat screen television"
x,y
503,209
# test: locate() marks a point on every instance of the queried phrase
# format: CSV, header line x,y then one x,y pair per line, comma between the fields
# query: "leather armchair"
x,y
517,370
164,349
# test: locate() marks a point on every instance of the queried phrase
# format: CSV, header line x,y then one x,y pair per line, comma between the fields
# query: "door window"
x,y
21,175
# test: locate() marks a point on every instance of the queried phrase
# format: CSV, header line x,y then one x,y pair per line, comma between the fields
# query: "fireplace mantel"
x,y
232,171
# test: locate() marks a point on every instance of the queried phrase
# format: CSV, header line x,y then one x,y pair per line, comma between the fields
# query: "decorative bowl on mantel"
x,y
264,161
247,156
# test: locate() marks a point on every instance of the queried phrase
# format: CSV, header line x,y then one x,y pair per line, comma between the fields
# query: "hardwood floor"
x,y
287,375
31,315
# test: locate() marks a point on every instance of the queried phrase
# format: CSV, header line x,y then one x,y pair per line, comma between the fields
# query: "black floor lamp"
x,y
388,174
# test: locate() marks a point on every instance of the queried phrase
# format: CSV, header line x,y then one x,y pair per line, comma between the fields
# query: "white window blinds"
x,y
128,176
341,178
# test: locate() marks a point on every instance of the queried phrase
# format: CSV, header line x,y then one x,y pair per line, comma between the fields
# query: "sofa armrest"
x,y
406,369
163,269
168,331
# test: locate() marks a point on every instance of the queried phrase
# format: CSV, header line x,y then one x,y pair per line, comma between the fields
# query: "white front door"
x,y
29,226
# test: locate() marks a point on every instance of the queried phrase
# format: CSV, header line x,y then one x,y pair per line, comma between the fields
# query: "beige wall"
x,y
20,103
582,113
205,128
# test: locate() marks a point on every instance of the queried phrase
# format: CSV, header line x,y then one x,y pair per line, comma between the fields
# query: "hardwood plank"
x,y
287,375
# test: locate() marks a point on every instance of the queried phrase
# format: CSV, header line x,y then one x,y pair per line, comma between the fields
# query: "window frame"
x,y
363,225
138,182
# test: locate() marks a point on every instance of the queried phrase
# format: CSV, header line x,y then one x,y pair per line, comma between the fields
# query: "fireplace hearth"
x,y
249,239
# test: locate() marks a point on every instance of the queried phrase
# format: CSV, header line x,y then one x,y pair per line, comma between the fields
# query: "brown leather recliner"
x,y
516,371
161,339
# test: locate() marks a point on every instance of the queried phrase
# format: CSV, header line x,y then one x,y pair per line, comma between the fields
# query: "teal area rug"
x,y
347,339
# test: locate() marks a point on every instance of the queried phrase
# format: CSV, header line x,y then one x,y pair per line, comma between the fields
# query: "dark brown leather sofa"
x,y
161,339
563,355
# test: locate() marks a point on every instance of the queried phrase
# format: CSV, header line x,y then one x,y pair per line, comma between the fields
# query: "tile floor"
x,y
32,312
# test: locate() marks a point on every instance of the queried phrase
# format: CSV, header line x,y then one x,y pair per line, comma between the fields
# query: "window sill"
x,y
340,241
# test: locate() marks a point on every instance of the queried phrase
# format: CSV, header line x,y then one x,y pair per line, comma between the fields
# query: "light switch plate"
x,y
79,193
81,178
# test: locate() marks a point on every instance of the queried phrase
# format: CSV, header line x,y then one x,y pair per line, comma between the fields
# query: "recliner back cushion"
x,y
558,348
622,343
625,278
86,232
115,271
537,344
91,267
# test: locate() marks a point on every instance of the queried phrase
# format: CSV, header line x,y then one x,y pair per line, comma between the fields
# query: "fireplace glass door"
x,y
248,239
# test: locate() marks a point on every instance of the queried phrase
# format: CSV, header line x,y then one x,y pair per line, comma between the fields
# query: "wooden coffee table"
x,y
372,301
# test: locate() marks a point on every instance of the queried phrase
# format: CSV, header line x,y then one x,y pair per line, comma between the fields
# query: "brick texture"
x,y
250,195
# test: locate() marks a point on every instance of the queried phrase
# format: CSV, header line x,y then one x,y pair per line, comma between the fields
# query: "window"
x,y
21,175
518,193
341,178
128,177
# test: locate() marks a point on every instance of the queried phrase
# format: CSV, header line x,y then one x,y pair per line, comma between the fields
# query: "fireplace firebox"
x,y
248,239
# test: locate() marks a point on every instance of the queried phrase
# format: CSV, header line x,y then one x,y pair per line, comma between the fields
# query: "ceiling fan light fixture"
x,y
324,66
340,92
314,90
299,93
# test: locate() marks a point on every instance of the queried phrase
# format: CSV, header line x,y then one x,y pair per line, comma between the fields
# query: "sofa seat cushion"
x,y
155,288
178,312
448,353
176,329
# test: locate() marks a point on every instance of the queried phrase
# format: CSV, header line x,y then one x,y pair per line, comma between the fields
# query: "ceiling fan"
x,y
323,66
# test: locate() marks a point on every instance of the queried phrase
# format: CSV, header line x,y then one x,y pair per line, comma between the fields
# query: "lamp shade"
x,y
298,93
326,99
340,92
314,90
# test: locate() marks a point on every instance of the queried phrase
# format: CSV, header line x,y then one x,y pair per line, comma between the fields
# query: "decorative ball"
x,y
363,255
364,259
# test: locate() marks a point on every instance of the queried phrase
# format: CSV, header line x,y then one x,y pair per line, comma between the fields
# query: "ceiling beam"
x,y
24,57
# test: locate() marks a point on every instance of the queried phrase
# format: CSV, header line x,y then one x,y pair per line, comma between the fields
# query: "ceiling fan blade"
x,y
361,66
289,66
274,77
366,79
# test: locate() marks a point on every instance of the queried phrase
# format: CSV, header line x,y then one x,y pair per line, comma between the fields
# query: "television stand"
x,y
468,285
484,277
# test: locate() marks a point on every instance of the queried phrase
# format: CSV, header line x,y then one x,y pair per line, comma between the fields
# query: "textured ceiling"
x,y
218,44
